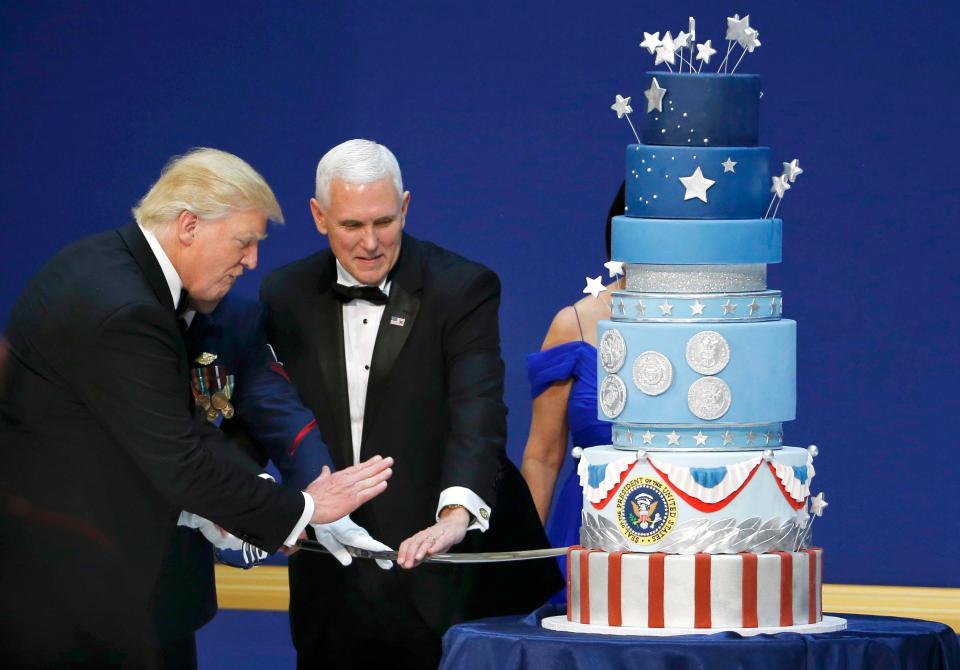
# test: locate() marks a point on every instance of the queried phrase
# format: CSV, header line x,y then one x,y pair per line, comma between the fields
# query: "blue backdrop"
x,y
499,115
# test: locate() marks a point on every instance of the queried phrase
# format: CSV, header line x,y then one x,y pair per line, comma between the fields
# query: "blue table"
x,y
870,642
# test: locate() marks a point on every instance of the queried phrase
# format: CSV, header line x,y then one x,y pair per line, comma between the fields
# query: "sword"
x,y
478,557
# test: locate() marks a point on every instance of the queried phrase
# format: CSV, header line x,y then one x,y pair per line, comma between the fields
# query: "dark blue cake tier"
x,y
734,184
704,110
697,241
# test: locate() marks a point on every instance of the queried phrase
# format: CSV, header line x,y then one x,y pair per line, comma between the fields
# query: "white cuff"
x,y
460,495
302,523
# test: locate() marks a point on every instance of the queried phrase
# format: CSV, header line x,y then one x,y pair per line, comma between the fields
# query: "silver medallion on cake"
x,y
652,372
709,398
613,396
708,352
613,350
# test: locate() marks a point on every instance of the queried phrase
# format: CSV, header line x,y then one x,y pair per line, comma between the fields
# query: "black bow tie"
x,y
369,293
184,303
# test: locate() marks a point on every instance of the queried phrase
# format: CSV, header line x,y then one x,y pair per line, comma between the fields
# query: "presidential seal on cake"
x,y
698,517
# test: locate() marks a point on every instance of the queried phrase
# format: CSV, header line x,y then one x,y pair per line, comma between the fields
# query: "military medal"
x,y
212,388
206,358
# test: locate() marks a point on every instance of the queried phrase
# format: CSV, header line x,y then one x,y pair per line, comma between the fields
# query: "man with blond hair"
x,y
100,449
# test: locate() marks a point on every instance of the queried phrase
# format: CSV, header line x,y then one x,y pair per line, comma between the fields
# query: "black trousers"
x,y
179,654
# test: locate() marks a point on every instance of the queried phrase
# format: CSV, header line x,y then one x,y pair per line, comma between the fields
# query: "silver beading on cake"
x,y
714,437
696,278
721,536
635,306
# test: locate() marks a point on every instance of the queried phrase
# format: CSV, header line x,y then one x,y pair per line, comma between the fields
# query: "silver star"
x,y
641,308
620,305
767,437
729,307
697,308
682,41
648,437
673,438
701,438
696,185
705,51
727,438
630,437
817,504
728,165
802,519
737,27
651,42
666,309
754,306
665,50
621,106
595,286
751,40
773,306
792,170
654,96
781,306
614,267
780,185
751,436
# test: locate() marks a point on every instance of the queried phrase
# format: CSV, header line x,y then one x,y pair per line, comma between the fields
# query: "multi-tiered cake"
x,y
696,517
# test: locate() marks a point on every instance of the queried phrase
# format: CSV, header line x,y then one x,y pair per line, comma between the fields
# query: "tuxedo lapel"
x,y
149,265
396,324
325,314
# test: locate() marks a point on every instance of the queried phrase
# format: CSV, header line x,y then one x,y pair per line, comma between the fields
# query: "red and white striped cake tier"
x,y
720,591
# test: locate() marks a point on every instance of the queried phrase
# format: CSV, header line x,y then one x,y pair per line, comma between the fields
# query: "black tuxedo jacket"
x,y
434,402
101,453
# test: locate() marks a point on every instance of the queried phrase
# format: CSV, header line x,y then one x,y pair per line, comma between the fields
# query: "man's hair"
x,y
209,183
356,162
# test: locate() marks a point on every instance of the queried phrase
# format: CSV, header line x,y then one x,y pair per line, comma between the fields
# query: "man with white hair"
x,y
393,343
100,450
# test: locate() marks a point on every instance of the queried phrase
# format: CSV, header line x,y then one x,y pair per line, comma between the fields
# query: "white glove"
x,y
344,531
221,539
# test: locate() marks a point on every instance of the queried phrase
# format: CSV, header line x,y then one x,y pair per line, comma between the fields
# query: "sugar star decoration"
x,y
792,170
701,438
621,106
751,40
666,309
651,42
729,164
696,309
682,41
727,438
654,96
729,307
705,51
648,437
780,186
817,504
641,308
595,286
673,438
737,27
754,306
696,185
665,50
614,267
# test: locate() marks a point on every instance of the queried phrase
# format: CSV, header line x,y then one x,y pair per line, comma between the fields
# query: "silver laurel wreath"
x,y
722,536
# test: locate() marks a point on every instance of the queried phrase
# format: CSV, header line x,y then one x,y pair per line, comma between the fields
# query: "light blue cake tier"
x,y
696,307
667,437
715,502
704,110
697,242
759,374
740,176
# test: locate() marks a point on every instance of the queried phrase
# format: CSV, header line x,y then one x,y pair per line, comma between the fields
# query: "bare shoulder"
x,y
563,329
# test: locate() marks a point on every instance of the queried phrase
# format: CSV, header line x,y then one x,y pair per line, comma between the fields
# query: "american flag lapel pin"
x,y
397,321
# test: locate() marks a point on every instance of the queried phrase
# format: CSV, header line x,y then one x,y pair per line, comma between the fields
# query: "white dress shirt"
x,y
175,284
361,323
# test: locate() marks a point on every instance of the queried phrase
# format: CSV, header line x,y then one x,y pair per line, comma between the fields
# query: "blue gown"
x,y
577,360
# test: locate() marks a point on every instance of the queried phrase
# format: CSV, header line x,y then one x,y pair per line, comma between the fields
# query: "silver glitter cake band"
x,y
713,437
650,307
697,278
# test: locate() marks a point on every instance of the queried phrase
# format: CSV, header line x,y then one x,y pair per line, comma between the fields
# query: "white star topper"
x,y
654,96
817,504
651,41
792,170
621,106
595,286
696,185
614,267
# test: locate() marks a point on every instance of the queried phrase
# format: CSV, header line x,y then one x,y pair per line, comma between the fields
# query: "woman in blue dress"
x,y
563,384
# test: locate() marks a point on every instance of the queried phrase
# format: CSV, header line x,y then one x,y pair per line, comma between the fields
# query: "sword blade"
x,y
477,557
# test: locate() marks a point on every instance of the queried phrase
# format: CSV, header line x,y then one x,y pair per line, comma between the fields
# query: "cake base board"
x,y
829,624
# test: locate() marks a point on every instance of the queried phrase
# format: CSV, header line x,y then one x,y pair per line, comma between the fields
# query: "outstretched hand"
x,y
337,494
437,539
